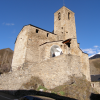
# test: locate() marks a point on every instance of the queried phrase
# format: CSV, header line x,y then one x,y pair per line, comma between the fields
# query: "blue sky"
x,y
14,14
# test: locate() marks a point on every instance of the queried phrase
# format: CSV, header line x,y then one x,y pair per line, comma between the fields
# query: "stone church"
x,y
56,55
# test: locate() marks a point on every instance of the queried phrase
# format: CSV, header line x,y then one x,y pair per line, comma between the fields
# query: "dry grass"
x,y
96,62
34,83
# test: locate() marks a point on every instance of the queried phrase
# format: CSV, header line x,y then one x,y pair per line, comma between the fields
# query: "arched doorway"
x,y
55,51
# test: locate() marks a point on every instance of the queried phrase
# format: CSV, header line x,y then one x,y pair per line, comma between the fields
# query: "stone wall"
x,y
65,27
27,45
75,50
34,42
20,48
33,46
44,50
53,72
86,66
96,86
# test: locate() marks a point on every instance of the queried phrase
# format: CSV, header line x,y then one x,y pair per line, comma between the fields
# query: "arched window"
x,y
69,16
37,30
47,34
59,16
55,51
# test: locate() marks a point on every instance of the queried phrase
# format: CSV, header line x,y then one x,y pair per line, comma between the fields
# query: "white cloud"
x,y
92,51
8,24
96,46
89,51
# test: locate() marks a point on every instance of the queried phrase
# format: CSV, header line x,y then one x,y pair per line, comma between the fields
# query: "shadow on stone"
x,y
95,96
21,93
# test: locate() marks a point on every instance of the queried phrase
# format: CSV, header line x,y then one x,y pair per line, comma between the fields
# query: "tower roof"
x,y
64,8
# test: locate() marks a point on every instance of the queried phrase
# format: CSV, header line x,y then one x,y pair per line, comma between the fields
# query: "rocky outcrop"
x,y
6,56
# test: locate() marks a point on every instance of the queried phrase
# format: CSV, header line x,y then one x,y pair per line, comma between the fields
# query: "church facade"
x,y
35,45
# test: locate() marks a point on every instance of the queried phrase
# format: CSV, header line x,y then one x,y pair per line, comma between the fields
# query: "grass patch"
x,y
54,92
41,87
96,63
62,93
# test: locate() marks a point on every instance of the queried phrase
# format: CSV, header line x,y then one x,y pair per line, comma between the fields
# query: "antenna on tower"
x,y
63,3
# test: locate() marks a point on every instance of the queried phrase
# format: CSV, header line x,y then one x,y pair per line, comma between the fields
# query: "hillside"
x,y
6,56
94,66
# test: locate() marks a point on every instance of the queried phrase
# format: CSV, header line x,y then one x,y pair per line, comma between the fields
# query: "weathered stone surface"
x,y
32,54
33,44
6,56
53,72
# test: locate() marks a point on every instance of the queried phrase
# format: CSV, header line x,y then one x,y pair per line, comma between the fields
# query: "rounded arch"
x,y
55,51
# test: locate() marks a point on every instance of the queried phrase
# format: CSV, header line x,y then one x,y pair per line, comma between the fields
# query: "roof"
x,y
95,78
66,8
36,27
39,28
67,41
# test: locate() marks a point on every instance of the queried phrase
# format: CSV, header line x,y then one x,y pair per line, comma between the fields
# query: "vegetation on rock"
x,y
34,83
77,88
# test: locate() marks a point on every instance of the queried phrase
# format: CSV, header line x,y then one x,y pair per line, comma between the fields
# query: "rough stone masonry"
x,y
51,56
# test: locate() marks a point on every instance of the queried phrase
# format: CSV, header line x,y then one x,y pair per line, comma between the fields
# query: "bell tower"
x,y
64,24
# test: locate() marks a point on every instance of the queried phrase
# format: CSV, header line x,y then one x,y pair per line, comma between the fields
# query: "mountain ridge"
x,y
95,56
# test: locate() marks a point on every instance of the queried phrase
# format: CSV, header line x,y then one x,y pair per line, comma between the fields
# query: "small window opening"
x,y
68,44
59,16
98,79
69,15
53,55
47,34
62,32
37,30
93,85
62,27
